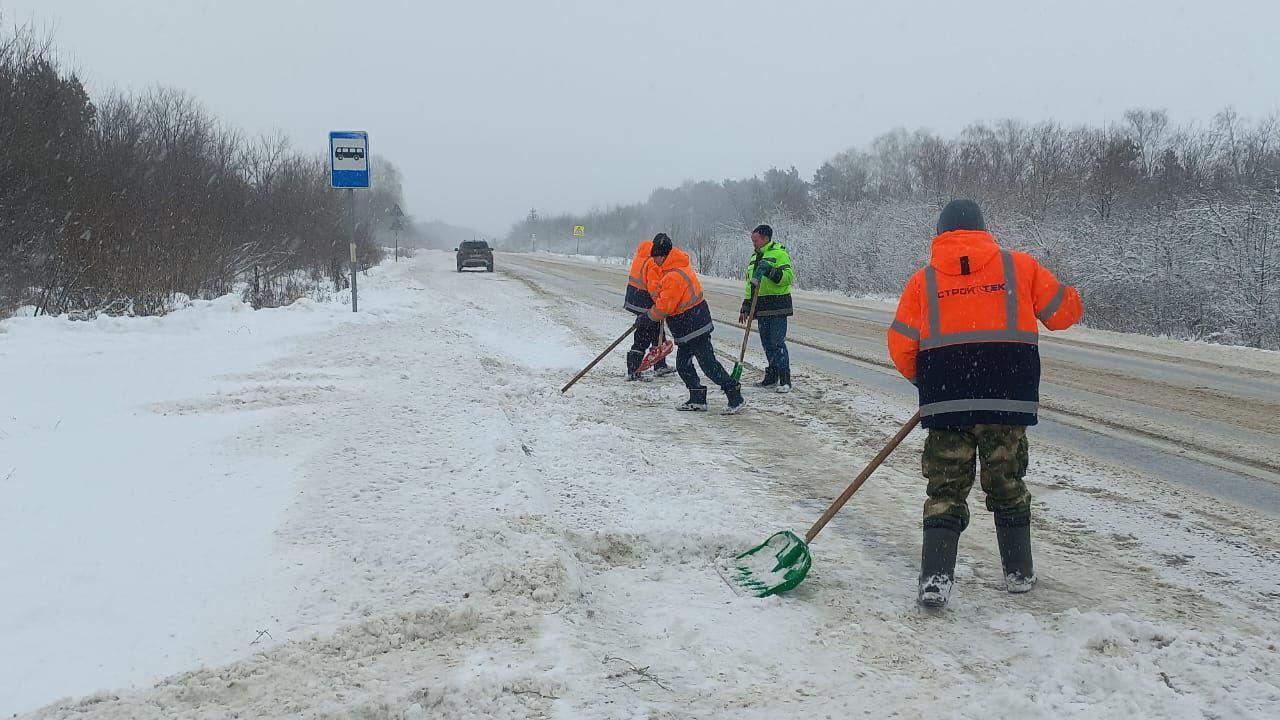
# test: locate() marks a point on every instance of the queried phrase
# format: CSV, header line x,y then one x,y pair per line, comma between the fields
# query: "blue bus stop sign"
x,y
349,159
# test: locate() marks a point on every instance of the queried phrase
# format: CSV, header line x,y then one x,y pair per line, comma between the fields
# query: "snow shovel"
x,y
746,336
658,352
781,562
599,357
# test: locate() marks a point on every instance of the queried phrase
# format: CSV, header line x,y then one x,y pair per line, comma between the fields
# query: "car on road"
x,y
475,253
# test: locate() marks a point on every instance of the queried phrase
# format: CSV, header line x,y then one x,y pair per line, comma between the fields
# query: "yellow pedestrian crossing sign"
x,y
579,230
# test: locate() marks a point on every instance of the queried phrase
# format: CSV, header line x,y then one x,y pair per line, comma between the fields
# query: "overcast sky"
x,y
490,108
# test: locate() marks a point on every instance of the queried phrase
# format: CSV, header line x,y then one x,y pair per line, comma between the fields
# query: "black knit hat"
x,y
960,215
764,230
661,245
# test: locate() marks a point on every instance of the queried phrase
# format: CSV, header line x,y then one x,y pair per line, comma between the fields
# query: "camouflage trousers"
x,y
949,461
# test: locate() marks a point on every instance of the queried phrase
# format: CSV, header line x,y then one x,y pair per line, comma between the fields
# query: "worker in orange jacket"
x,y
644,275
678,300
965,334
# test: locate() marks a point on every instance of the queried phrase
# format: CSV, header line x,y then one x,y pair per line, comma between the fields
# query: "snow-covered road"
x,y
424,527
1196,414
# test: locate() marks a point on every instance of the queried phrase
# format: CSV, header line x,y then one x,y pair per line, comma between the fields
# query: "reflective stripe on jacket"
x,y
775,297
966,331
678,299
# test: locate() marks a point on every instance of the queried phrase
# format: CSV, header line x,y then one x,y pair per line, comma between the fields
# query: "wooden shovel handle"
x,y
751,317
862,477
599,357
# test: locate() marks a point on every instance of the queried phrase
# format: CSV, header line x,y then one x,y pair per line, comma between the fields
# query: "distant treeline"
x,y
1166,229
125,203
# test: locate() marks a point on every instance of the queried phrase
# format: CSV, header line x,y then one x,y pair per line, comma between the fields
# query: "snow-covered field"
x,y
304,513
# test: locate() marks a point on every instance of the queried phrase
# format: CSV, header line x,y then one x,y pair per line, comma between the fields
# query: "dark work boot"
x,y
1013,534
735,400
938,561
697,400
633,362
662,369
770,378
634,359
784,381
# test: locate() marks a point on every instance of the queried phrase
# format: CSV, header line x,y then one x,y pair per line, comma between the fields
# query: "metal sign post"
x,y
354,275
349,169
397,213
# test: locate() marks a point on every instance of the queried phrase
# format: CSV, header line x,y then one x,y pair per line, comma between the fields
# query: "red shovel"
x,y
658,352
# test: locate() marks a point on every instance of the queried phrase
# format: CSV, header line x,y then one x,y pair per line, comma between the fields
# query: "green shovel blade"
x,y
774,566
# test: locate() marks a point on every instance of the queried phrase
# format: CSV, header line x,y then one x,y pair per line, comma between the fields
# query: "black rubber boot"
x,y
633,361
735,400
938,561
697,400
1013,534
770,378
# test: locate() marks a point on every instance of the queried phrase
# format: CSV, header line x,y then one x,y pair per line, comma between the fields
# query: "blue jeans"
x,y
700,348
773,336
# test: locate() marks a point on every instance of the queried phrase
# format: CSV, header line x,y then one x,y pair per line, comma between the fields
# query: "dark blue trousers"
x,y
700,348
645,336
773,336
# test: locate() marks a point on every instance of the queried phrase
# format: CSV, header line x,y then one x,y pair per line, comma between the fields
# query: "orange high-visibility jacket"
x,y
652,275
678,299
643,272
966,330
